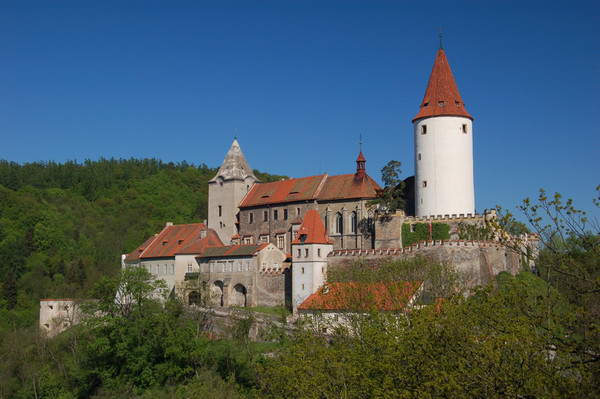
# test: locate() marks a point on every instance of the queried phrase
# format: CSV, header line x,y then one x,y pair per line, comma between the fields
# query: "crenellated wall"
x,y
480,260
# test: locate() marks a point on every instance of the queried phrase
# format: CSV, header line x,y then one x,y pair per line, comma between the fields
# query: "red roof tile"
x,y
232,250
353,296
135,254
172,239
199,245
312,230
348,186
321,187
290,190
442,97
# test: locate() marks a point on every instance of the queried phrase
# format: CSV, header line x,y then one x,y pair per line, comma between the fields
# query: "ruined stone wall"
x,y
388,228
480,260
274,286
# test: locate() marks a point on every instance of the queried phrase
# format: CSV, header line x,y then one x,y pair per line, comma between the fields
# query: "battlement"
x,y
415,247
471,217
274,270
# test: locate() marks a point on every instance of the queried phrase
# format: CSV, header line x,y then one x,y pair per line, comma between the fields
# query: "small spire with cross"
x,y
235,137
440,29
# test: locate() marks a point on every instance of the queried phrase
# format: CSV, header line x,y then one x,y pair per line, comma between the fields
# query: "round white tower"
x,y
443,147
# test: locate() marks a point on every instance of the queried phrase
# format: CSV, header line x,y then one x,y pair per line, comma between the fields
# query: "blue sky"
x,y
301,81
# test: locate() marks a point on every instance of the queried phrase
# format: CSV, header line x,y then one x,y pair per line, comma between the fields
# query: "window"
x,y
247,240
230,266
302,287
457,103
251,218
419,156
424,183
220,210
264,238
412,227
464,128
423,129
281,241
426,105
306,252
212,267
265,216
285,214
353,223
442,103
247,265
302,271
297,211
318,251
299,252
275,214
339,223
189,267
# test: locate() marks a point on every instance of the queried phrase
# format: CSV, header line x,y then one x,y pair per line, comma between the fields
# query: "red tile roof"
x,y
233,250
290,190
199,245
348,186
354,296
321,187
169,241
312,230
136,253
442,97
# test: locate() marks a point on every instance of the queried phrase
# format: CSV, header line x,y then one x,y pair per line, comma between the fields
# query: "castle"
x,y
268,244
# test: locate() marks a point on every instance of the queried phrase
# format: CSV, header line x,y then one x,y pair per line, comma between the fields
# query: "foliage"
x,y
63,228
486,345
391,197
439,231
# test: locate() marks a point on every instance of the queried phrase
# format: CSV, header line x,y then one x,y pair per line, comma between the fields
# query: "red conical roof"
x,y
442,97
312,230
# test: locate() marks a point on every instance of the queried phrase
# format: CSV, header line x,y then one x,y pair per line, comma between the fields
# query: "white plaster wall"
x,y
162,269
315,270
446,164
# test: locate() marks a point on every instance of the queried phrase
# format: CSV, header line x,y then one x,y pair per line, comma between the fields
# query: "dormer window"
x,y
442,103
426,105
457,103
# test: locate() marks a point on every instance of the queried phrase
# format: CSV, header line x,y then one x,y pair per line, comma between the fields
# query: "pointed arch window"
x,y
339,223
353,223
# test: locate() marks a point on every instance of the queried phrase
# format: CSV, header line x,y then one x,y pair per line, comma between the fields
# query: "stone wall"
x,y
388,228
480,260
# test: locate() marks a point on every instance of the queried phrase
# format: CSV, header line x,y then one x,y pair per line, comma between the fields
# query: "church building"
x,y
272,212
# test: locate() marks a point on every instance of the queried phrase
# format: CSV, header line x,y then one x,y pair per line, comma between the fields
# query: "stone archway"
x,y
195,298
238,296
217,293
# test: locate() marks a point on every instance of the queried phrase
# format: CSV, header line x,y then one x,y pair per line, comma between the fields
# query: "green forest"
x,y
64,226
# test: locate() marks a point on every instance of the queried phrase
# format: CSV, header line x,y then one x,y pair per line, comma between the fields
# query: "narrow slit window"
x,y
424,183
423,129
464,128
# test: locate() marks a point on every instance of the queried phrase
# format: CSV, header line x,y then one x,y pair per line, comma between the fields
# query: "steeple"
x,y
235,166
360,163
442,97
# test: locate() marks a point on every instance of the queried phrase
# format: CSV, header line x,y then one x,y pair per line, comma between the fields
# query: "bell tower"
x,y
443,131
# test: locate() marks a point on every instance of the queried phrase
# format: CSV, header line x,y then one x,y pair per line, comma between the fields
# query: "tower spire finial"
x,y
360,142
235,137
440,29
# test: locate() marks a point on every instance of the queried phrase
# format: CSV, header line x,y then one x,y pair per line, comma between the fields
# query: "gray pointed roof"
x,y
235,166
